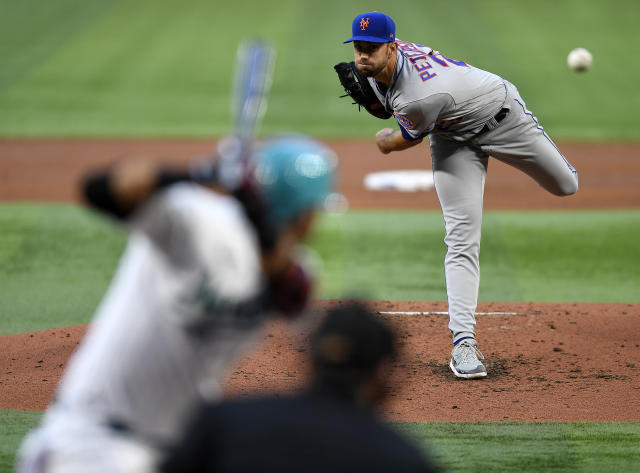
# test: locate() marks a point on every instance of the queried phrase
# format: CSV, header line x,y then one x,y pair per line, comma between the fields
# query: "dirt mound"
x,y
546,362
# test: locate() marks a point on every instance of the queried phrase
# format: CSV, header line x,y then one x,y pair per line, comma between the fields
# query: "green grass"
x,y
55,263
561,256
504,447
164,67
15,424
495,447
382,255
57,260
525,256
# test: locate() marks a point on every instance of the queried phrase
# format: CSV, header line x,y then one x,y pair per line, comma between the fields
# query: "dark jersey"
x,y
309,433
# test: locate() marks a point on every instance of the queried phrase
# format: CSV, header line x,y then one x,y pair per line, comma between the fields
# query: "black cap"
x,y
351,338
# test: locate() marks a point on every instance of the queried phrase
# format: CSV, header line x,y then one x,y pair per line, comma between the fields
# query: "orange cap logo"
x,y
364,24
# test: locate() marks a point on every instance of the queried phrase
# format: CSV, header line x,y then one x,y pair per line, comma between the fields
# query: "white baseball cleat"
x,y
465,360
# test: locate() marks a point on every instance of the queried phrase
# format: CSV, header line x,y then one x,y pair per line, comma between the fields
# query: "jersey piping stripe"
x,y
401,67
391,84
527,112
395,77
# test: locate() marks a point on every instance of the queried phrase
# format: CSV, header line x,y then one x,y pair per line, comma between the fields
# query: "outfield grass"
x,y
583,256
163,67
56,260
503,447
55,263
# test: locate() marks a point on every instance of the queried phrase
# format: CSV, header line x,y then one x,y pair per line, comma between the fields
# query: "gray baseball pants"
x,y
460,169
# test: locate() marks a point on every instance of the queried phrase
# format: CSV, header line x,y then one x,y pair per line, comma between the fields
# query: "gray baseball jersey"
x,y
468,114
431,93
180,307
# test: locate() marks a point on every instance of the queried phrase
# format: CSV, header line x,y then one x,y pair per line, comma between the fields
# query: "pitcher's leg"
x,y
522,143
459,175
546,165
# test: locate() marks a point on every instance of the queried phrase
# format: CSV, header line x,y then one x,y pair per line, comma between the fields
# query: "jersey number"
x,y
421,60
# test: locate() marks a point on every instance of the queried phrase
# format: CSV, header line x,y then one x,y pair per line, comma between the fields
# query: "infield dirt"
x,y
548,362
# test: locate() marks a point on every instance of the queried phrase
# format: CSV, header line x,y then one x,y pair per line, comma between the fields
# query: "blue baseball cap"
x,y
373,27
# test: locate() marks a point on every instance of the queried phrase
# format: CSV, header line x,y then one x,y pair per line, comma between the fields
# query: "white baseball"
x,y
579,59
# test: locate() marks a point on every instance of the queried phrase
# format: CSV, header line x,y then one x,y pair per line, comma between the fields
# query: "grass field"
x,y
162,68
56,260
149,68
499,447
15,425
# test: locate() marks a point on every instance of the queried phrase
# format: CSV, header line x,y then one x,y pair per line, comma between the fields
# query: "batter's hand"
x,y
290,291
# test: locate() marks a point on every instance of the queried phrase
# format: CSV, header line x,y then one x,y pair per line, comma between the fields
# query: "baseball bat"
x,y
251,85
252,79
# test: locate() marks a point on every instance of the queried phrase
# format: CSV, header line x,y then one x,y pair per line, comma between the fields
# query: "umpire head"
x,y
349,351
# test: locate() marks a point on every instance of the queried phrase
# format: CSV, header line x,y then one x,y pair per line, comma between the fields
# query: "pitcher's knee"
x,y
562,187
569,186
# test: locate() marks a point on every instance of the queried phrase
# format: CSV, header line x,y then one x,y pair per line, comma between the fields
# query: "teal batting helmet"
x,y
294,174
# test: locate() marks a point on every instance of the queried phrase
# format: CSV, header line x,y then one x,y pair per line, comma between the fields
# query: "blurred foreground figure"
x,y
202,270
329,428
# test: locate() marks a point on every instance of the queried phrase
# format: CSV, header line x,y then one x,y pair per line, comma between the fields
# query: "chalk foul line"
x,y
441,313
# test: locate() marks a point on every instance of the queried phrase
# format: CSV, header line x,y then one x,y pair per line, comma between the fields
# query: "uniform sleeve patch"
x,y
404,121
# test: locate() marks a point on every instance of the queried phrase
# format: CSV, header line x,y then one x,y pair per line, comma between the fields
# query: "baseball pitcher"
x,y
468,115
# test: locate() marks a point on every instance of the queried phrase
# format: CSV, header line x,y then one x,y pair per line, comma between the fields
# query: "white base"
x,y
408,180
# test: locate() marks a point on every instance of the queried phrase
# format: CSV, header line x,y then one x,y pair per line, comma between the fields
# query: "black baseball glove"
x,y
357,87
